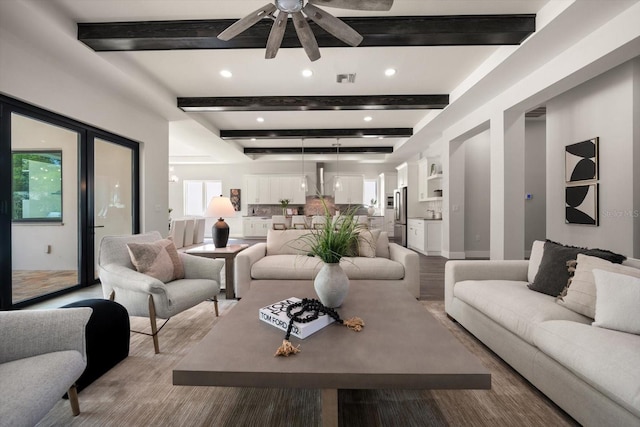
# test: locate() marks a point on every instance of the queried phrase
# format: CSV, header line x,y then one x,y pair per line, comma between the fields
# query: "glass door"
x,y
114,201
44,208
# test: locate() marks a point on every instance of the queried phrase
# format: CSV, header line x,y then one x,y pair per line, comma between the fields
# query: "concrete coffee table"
x,y
402,346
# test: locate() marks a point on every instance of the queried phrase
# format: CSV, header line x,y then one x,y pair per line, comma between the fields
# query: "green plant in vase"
x,y
284,203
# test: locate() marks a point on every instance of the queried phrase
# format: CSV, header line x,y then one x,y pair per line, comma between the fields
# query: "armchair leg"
x,y
73,400
215,303
154,327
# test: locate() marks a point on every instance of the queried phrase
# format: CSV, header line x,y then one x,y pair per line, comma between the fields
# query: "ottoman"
x,y
107,335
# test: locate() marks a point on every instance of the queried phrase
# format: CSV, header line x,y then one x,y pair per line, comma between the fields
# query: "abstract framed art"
x,y
234,196
582,204
581,161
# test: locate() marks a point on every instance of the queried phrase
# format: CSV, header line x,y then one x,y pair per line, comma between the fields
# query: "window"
x,y
37,186
197,195
371,192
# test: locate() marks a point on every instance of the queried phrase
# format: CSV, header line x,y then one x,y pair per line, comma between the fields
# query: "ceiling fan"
x,y
297,9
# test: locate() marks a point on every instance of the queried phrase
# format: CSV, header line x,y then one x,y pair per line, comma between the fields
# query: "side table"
x,y
227,253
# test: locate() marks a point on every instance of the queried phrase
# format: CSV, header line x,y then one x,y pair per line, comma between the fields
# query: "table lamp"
x,y
220,207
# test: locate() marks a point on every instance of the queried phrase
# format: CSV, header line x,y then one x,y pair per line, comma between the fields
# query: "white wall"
x,y
477,191
32,73
535,182
603,107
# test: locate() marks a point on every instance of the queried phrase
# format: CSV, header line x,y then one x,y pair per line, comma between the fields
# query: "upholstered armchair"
x,y
43,353
146,296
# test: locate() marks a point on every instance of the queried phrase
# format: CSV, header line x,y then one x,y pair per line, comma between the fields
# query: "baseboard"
x,y
478,254
453,255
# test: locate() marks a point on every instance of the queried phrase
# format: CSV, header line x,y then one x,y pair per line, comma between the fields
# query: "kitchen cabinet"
x,y
258,189
425,236
287,187
403,175
389,221
270,189
352,191
255,227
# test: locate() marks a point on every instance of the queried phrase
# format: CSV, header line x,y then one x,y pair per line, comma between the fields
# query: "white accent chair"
x,y
299,222
43,353
147,296
177,232
318,221
198,231
189,225
279,222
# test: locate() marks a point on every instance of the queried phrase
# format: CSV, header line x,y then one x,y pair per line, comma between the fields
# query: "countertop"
x,y
426,219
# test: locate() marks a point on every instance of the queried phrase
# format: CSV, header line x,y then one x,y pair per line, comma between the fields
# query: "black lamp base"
x,y
220,233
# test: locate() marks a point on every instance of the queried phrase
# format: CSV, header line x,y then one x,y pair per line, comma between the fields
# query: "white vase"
x,y
332,285
371,211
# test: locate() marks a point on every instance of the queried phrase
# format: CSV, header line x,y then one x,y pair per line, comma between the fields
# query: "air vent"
x,y
346,78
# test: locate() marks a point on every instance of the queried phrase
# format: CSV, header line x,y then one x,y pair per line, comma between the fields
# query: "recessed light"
x,y
226,74
260,119
307,73
368,119
390,72
253,139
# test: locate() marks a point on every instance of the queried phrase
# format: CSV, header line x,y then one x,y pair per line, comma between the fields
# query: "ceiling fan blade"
x,y
333,25
382,5
307,39
246,22
276,35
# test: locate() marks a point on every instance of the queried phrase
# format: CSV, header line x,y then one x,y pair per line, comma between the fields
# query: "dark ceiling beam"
x,y
465,30
316,133
317,150
313,103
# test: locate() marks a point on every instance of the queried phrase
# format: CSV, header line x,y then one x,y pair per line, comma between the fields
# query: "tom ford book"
x,y
276,315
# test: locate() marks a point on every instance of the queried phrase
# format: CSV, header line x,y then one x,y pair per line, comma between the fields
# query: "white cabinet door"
x,y
258,190
255,227
287,187
376,223
433,236
403,175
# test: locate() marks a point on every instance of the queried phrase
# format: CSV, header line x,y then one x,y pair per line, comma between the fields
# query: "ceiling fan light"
x,y
289,6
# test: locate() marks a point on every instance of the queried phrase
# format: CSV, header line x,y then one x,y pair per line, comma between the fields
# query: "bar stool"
x,y
299,222
279,222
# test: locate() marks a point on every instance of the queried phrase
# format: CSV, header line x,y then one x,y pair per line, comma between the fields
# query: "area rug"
x,y
139,392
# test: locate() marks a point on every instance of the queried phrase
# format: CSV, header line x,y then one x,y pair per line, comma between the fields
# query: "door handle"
x,y
98,226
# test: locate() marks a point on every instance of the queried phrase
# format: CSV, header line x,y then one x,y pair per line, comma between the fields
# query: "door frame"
x,y
86,197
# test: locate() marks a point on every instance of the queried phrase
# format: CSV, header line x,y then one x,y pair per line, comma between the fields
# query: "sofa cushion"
x,y
512,305
159,259
295,267
367,243
288,242
605,359
580,293
552,276
618,303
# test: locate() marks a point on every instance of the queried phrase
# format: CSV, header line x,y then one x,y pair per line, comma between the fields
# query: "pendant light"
x,y
337,182
303,179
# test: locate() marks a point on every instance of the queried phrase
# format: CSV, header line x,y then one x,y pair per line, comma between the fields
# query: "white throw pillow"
x,y
580,293
367,241
618,301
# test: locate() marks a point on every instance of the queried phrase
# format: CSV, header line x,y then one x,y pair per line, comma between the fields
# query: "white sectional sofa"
x,y
284,257
591,372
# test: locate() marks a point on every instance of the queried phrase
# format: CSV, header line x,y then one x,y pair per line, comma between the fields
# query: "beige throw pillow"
x,y
618,302
159,259
367,242
580,293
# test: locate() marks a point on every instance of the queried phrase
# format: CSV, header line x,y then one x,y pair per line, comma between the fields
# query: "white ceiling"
x,y
194,138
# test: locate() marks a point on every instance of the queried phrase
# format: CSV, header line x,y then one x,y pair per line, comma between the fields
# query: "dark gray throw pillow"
x,y
553,274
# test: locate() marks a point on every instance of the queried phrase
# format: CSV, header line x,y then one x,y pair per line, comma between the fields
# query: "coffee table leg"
x,y
329,414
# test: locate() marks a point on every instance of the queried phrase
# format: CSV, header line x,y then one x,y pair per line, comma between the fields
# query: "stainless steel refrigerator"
x,y
400,216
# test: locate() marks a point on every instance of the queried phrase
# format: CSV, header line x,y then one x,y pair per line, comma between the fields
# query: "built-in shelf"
x,y
437,176
433,199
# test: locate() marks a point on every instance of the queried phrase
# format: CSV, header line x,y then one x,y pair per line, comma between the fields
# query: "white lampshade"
x,y
220,207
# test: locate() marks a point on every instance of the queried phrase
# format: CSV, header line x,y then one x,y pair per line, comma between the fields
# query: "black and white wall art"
x,y
582,204
581,161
